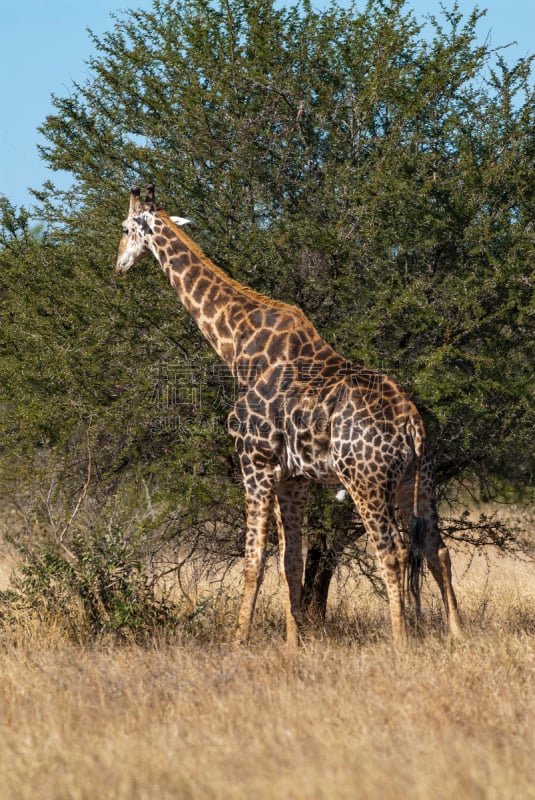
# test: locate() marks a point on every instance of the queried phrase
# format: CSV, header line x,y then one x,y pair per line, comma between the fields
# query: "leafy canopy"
x,y
338,159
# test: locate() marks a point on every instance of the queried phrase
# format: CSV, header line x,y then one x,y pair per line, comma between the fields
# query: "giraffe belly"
x,y
289,431
308,453
300,465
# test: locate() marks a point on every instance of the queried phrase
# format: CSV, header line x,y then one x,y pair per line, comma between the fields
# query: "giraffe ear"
x,y
180,220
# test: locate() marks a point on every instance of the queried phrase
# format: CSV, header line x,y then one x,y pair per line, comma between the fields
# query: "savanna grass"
x,y
346,717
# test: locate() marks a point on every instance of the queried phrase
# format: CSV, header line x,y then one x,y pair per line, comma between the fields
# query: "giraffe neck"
x,y
248,331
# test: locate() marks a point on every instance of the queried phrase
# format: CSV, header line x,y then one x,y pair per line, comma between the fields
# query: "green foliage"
x,y
103,588
337,159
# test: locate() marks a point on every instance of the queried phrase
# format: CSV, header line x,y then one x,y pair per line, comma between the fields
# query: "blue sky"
x,y
44,47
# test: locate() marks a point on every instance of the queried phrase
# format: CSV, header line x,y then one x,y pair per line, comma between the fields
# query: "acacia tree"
x,y
337,159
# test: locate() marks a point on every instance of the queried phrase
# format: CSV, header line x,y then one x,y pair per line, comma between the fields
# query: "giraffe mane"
x,y
246,290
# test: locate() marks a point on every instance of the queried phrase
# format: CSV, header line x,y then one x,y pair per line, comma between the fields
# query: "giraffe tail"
x,y
418,527
415,572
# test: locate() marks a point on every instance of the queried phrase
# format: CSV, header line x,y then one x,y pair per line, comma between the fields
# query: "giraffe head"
x,y
138,229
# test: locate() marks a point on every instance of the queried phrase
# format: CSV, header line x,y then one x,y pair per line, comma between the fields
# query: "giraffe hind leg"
x,y
392,557
452,611
439,562
392,569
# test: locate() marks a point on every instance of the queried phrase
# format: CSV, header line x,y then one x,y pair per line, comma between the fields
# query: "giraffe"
x,y
303,413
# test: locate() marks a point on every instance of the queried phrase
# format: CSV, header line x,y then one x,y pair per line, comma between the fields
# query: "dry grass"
x,y
345,718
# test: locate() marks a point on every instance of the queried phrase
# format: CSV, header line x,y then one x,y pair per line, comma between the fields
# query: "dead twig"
x,y
61,535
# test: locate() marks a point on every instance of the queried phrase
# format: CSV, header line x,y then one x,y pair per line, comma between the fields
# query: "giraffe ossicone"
x,y
304,413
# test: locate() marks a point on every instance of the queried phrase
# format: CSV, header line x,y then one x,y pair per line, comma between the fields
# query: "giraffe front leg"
x,y
259,506
289,507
